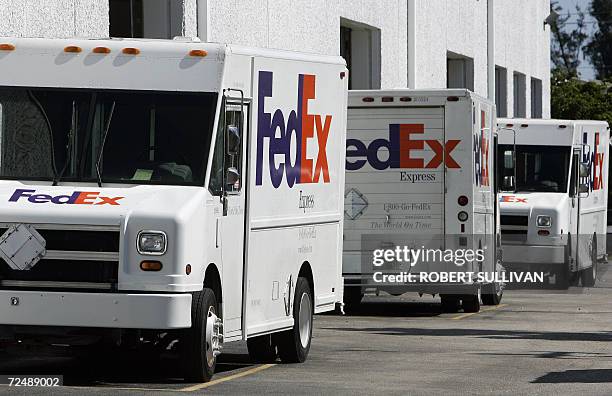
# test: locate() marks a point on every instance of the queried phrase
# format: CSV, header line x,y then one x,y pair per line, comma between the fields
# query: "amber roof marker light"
x,y
198,53
73,49
7,47
131,51
101,50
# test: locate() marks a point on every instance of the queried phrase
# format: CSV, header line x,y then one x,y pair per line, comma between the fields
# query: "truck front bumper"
x,y
109,310
532,254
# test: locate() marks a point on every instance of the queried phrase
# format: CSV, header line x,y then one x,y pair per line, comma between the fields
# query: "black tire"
x,y
588,276
450,304
492,295
293,345
352,298
262,349
470,303
196,366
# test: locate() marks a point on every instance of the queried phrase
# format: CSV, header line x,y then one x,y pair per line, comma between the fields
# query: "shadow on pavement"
x,y
125,367
592,376
483,333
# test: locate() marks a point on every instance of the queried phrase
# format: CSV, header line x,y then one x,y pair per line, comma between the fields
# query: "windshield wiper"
x,y
106,128
44,114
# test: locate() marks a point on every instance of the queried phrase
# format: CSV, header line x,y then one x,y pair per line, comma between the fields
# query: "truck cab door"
x,y
574,210
234,125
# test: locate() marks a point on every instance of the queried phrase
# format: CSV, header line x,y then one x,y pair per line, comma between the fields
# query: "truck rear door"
x,y
395,183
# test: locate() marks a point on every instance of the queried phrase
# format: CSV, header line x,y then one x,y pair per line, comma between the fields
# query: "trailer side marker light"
x,y
342,75
198,52
73,49
188,269
405,99
509,125
543,233
368,99
151,266
7,47
101,50
453,98
387,99
562,126
462,200
131,51
524,125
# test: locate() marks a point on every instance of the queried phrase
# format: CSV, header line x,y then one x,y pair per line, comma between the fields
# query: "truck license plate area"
x,y
22,247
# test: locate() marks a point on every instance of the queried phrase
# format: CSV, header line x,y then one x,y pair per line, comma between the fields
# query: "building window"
x,y
360,47
459,71
501,91
125,18
536,98
520,107
151,18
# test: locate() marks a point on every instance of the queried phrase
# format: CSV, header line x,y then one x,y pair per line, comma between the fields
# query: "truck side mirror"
x,y
508,183
233,140
584,169
232,176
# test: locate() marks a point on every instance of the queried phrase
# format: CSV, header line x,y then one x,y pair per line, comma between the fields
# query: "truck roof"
x,y
182,65
525,122
411,93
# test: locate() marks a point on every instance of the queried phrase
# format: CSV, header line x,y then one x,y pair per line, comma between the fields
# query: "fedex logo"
x,y
481,153
299,127
595,160
403,150
512,198
76,198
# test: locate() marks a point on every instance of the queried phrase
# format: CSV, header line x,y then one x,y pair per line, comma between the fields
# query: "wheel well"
x,y
306,272
212,280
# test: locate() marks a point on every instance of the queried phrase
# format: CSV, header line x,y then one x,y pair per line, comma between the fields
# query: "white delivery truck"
x,y
553,196
420,176
162,190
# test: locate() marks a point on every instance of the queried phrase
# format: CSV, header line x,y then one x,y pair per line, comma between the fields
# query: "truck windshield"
x,y
152,137
538,168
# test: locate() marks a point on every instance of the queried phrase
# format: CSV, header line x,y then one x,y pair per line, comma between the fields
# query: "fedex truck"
x,y
554,196
169,192
419,177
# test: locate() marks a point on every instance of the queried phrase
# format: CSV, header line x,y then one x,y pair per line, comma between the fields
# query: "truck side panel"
x,y
296,180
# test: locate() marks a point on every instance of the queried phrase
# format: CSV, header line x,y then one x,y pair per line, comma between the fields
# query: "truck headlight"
x,y
152,242
544,221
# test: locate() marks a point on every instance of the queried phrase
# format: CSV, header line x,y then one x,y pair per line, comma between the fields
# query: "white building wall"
x,y
521,42
311,26
54,18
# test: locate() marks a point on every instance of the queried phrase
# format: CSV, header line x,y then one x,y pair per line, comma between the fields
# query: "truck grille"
x,y
75,259
514,220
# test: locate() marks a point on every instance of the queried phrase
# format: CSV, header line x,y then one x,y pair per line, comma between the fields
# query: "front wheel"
x,y
200,344
470,303
293,345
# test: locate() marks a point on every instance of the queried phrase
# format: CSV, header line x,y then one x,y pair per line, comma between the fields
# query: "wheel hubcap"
x,y
214,336
305,319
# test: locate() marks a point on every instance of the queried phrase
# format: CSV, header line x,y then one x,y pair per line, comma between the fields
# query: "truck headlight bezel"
x,y
153,234
544,221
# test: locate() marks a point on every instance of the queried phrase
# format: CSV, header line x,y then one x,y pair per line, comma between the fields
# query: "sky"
x,y
586,69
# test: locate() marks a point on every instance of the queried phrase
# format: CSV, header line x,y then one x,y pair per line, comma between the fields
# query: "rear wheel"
x,y
493,294
262,349
200,343
589,275
293,345
470,303
450,304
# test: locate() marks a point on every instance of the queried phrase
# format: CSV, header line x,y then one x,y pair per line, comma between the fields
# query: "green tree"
x,y
573,99
567,43
599,48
